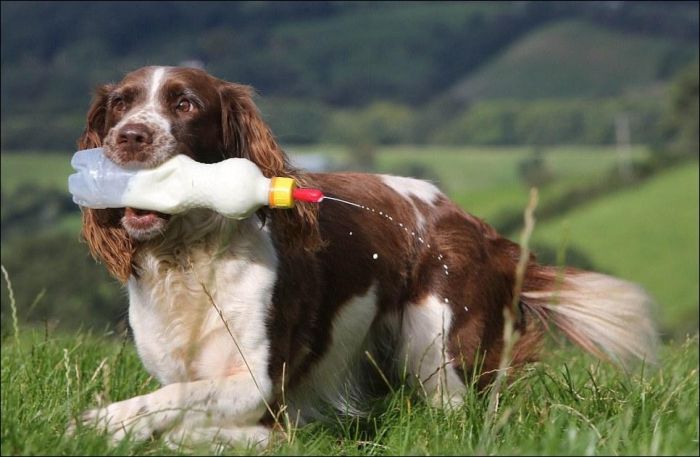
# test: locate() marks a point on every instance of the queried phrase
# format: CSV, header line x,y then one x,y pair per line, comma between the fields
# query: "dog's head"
x,y
155,113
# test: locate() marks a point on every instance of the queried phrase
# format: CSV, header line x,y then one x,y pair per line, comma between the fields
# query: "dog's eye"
x,y
184,106
119,105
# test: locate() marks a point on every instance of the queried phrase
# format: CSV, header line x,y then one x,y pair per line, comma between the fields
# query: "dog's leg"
x,y
424,334
232,400
216,438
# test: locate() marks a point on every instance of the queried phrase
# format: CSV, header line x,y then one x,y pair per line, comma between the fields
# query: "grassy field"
x,y
484,180
35,168
648,235
567,405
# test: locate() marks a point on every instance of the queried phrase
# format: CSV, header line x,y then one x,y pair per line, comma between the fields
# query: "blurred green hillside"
x,y
575,58
384,72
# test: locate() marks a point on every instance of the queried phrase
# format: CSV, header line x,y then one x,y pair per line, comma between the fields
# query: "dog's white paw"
x,y
129,417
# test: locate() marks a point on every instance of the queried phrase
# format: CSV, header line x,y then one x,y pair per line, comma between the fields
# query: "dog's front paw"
x,y
216,439
129,417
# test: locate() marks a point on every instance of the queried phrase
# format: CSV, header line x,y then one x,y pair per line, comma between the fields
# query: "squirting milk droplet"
x,y
350,233
375,256
400,224
444,266
466,309
447,300
447,273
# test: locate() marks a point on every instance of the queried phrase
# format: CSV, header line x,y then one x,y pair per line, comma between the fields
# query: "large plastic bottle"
x,y
234,187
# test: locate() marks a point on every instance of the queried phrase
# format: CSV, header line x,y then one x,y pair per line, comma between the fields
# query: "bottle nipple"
x,y
307,195
284,192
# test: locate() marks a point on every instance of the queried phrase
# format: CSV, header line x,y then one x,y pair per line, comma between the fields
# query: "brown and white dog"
x,y
304,307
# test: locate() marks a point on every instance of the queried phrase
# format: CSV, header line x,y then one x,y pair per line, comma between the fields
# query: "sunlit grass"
x,y
569,404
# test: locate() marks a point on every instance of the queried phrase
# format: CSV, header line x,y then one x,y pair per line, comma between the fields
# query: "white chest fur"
x,y
195,296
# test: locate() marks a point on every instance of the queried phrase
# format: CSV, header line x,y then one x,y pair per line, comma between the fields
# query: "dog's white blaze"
x,y
156,82
424,333
150,112
330,381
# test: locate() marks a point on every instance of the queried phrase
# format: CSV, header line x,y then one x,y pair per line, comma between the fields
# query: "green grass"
x,y
648,235
35,168
568,405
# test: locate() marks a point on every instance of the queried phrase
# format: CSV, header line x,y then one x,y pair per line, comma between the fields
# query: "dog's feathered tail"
x,y
604,315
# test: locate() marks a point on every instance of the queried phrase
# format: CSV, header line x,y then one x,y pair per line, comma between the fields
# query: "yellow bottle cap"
x,y
281,190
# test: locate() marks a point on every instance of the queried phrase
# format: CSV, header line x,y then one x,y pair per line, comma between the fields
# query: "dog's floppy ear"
x,y
246,135
107,240
96,120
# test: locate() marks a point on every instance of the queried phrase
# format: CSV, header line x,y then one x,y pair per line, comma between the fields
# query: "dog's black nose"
x,y
134,136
